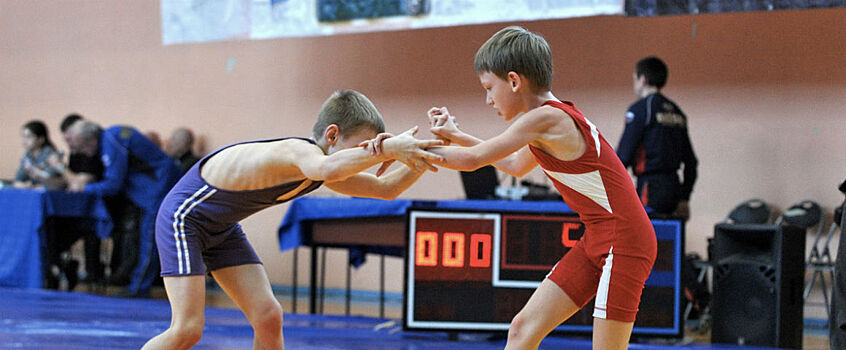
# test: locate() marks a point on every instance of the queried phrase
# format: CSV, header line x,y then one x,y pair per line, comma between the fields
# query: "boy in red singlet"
x,y
614,257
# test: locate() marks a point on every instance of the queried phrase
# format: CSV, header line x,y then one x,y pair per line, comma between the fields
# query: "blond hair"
x,y
351,111
515,49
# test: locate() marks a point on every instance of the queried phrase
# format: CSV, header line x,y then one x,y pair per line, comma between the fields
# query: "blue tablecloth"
x,y
22,216
317,208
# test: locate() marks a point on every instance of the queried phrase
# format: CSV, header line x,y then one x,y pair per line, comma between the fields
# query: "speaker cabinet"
x,y
759,274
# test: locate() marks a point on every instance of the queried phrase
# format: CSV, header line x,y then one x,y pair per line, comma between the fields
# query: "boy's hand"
x,y
384,167
443,125
435,112
35,172
374,146
406,149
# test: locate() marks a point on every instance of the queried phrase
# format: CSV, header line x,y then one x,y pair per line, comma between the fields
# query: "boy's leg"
x,y
611,334
249,288
548,307
618,296
187,296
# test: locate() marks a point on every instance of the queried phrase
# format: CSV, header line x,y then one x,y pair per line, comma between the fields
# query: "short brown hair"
x,y
515,49
654,69
350,110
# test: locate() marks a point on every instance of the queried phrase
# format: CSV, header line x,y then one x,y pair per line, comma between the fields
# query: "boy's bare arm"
x,y
388,186
547,128
516,163
345,163
317,166
445,127
483,153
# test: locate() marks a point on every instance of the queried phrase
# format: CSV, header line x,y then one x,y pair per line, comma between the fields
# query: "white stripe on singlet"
x,y
179,228
600,309
594,132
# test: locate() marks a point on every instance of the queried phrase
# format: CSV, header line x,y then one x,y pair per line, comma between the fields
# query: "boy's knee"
x,y
269,316
188,333
518,328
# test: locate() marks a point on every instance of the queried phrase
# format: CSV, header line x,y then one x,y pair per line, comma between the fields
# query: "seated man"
x,y
180,147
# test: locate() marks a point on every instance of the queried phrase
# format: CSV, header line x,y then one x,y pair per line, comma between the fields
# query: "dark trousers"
x,y
661,192
147,265
61,234
126,217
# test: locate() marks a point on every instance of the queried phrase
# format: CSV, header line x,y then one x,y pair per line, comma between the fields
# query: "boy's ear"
x,y
515,80
331,134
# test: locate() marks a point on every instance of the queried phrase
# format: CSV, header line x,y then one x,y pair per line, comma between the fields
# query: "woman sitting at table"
x,y
41,164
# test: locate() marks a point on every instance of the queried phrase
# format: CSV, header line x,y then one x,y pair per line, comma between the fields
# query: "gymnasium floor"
x,y
42,319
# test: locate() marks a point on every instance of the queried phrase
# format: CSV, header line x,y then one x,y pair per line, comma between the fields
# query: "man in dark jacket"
x,y
655,143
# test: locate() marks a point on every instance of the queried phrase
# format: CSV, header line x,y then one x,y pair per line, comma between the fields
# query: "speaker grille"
x,y
744,303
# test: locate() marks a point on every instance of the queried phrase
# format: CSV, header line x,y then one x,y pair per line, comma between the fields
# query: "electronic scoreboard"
x,y
474,270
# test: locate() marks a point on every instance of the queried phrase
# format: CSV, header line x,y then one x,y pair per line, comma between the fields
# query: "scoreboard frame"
x,y
444,253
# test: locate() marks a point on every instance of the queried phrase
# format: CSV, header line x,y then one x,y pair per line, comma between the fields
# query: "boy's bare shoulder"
x,y
295,145
269,152
547,116
550,111
559,135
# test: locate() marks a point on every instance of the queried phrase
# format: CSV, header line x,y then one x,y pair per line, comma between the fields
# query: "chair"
x,y
808,214
805,214
753,211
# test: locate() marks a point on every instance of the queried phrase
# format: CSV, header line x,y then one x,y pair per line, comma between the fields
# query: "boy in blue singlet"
x,y
197,227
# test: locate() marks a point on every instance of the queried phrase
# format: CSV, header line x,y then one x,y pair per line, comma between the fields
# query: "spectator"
x,y
41,165
38,164
655,143
180,147
136,167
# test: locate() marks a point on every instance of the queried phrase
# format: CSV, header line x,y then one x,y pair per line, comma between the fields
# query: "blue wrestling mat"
x,y
42,319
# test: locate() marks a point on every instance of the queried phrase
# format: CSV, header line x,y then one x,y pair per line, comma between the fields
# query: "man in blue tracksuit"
x,y
655,143
136,167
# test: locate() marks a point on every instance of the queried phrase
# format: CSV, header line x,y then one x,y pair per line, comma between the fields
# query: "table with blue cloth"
x,y
23,213
365,225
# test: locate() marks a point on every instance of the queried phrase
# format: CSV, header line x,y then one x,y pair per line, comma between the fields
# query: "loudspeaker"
x,y
759,274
